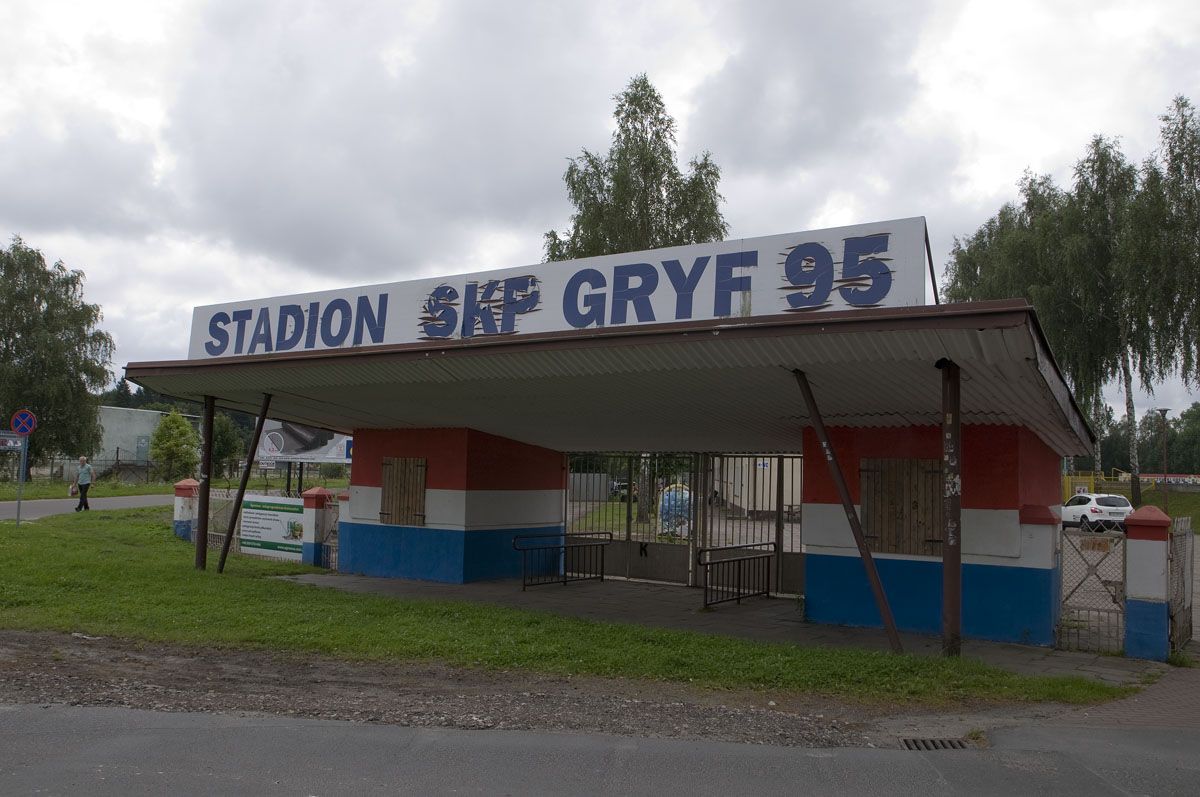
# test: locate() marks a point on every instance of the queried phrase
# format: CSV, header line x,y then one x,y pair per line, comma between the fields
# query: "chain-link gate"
x,y
1093,591
1181,563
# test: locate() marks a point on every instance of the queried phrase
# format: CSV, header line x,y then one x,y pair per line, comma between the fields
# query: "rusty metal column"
x,y
951,510
241,493
629,517
779,525
206,449
839,481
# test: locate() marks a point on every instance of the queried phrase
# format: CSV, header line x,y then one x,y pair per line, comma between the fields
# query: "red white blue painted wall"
x,y
481,491
1011,505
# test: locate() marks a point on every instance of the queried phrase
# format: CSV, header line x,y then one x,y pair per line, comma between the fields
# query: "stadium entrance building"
x,y
931,435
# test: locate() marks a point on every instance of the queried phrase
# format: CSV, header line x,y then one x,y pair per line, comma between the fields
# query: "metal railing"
x,y
557,558
734,577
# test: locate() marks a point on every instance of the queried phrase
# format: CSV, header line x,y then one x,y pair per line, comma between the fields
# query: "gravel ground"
x,y
42,667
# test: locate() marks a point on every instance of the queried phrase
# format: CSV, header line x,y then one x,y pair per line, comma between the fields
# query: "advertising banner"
x,y
881,264
272,526
291,442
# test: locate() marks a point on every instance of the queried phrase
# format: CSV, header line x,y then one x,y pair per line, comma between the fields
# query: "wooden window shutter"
x,y
901,505
402,502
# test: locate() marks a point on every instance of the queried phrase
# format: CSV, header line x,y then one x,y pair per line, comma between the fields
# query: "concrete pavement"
x,y
74,750
32,510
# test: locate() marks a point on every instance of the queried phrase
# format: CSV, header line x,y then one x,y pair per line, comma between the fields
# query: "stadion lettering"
x,y
868,265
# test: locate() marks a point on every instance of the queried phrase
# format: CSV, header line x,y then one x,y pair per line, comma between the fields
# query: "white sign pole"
x,y
21,476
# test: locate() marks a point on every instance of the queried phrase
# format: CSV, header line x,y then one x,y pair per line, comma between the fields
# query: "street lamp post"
x,y
1166,492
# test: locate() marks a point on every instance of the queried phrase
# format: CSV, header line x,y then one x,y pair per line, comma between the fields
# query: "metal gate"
x,y
1181,563
664,508
1093,591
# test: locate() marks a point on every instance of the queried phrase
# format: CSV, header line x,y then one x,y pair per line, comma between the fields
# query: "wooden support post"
x,y
835,472
241,493
951,510
206,450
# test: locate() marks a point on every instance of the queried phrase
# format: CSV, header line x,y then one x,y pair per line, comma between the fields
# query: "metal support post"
x,y
779,524
951,510
288,490
241,493
629,517
206,450
21,476
835,472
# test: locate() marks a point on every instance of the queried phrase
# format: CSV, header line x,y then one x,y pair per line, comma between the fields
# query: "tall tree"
x,y
636,197
1112,266
54,358
1179,154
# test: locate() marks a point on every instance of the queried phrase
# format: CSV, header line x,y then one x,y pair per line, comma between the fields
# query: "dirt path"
x,y
41,667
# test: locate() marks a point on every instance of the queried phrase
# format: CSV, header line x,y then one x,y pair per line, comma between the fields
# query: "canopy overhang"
x,y
719,386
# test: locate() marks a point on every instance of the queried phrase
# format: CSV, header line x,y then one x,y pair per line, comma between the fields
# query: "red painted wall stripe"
x,y
458,459
1003,466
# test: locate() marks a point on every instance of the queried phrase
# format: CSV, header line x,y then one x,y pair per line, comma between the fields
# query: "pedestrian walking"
x,y
83,480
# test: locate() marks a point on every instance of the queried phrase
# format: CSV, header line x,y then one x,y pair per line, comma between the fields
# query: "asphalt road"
x,y
73,750
32,510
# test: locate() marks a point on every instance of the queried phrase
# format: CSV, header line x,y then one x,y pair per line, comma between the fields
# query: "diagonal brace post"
x,y
839,480
241,493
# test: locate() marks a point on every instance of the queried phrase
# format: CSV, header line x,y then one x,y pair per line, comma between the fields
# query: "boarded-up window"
x,y
403,500
902,505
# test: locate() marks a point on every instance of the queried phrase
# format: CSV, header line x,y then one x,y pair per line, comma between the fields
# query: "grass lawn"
x,y
122,573
1181,503
52,488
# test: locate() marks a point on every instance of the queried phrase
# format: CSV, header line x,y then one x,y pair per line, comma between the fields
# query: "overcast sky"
x,y
186,153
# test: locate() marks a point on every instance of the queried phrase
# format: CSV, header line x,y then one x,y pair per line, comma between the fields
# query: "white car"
x,y
1096,512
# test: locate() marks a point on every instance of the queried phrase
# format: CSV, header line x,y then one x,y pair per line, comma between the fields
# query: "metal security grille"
x,y
933,744
902,505
662,508
402,502
1181,564
1093,591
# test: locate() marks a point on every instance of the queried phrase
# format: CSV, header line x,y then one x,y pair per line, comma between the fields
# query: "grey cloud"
x,y
79,175
294,139
807,80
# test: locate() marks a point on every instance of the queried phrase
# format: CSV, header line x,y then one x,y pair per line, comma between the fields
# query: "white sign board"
x,y
866,265
272,526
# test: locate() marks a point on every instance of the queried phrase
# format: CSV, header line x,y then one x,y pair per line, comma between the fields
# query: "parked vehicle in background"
x,y
618,490
1096,512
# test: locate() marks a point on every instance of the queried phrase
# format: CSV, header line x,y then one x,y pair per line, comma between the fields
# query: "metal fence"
x,y
1181,581
561,558
672,497
1093,591
734,572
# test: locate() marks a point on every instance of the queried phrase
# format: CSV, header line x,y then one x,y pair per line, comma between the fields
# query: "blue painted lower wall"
x,y
1006,604
1147,630
183,529
430,554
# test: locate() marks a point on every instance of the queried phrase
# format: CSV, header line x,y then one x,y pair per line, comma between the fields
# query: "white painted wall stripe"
x,y
990,536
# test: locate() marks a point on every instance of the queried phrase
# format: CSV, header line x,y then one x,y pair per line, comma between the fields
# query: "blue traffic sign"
x,y
24,422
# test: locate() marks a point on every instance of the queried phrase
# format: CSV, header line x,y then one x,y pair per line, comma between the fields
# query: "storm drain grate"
x,y
933,744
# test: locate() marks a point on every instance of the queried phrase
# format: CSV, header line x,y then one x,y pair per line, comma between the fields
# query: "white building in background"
x,y
126,434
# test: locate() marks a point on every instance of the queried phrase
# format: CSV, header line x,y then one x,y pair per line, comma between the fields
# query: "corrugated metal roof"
x,y
726,388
